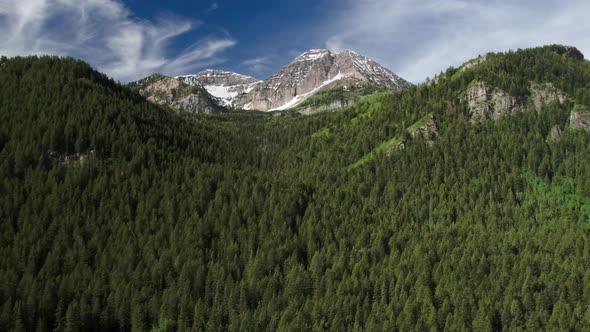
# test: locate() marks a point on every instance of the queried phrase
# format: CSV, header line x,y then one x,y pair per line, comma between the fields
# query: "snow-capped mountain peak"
x,y
314,71
311,72
312,55
370,70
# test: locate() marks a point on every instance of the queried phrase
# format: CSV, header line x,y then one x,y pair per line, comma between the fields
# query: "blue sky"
x,y
268,34
130,39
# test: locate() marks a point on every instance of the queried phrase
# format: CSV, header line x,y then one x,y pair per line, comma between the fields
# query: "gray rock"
x,y
489,103
473,63
326,107
556,132
177,94
572,53
546,93
486,102
580,118
428,131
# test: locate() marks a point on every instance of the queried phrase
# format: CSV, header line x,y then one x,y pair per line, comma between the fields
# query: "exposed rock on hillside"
x,y
75,159
572,53
326,107
489,103
177,94
580,118
556,132
473,63
485,102
426,129
547,93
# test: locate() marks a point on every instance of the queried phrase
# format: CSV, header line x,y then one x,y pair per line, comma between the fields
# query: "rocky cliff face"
x,y
315,71
224,85
176,93
546,93
486,102
572,53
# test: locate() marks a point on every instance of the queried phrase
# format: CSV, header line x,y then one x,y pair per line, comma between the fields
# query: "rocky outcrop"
x,y
470,64
427,129
580,118
424,129
556,132
485,102
75,159
174,92
396,146
572,53
326,107
545,93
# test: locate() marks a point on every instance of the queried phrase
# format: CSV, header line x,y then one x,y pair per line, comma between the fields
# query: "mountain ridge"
x,y
311,72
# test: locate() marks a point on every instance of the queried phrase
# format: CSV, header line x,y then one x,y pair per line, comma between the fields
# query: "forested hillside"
x,y
117,214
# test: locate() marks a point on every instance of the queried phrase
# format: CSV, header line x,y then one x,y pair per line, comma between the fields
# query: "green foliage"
x,y
245,221
418,123
555,199
385,146
345,92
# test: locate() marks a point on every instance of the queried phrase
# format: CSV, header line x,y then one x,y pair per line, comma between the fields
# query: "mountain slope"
x,y
246,221
315,71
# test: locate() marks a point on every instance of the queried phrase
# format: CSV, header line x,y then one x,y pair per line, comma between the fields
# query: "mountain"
x,y
311,73
315,71
463,204
184,94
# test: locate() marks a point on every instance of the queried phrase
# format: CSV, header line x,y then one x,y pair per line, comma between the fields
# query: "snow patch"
x,y
251,86
221,91
312,55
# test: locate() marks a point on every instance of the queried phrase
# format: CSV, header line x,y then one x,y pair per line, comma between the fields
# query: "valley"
x,y
458,204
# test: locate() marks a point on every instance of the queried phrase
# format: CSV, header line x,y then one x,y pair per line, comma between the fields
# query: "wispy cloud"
x,y
258,65
106,34
419,39
213,6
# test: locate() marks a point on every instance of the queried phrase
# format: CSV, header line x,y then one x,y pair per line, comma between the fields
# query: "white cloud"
x,y
106,34
420,39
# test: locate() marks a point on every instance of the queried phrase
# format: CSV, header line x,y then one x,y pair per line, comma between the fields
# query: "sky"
x,y
417,39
